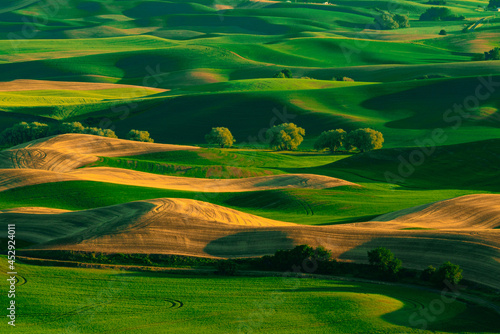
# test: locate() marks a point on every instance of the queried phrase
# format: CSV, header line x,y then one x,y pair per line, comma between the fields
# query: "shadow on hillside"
x,y
431,112
418,249
90,224
473,319
253,243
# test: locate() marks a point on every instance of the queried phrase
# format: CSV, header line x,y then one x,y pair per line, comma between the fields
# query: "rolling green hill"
x,y
184,303
177,68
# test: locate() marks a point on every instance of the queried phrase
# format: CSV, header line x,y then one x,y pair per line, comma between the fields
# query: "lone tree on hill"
x,y
286,136
364,139
384,261
138,135
332,140
220,136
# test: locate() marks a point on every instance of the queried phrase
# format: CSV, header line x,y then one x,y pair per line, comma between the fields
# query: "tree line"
x,y
288,136
282,137
383,265
23,132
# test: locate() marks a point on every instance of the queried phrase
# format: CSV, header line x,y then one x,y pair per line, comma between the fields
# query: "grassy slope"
x,y
228,163
252,40
248,107
97,300
395,109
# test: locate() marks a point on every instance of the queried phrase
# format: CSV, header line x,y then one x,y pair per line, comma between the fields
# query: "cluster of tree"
x,y
443,32
288,137
340,78
24,132
440,14
138,135
493,54
284,260
388,21
362,139
302,258
388,266
446,273
284,73
383,265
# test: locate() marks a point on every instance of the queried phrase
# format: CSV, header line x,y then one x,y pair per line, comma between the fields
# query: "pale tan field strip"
x,y
189,227
462,230
26,85
128,177
465,212
65,153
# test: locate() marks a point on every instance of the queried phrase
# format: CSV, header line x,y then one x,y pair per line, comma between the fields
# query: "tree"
x,y
286,136
299,256
68,127
365,139
332,140
220,136
284,73
138,135
100,132
340,78
386,21
402,20
443,32
493,54
285,259
440,14
23,132
384,261
448,272
390,21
